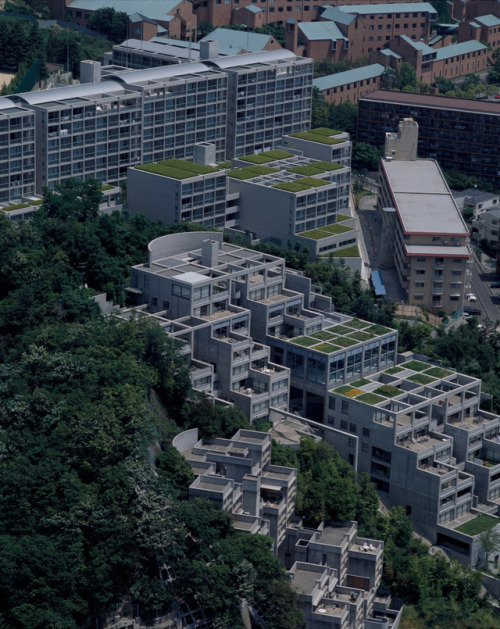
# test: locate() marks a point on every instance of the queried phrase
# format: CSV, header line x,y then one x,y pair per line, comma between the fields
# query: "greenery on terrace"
x,y
299,185
347,252
177,168
419,378
324,232
370,398
416,365
392,370
343,217
316,137
251,171
480,523
20,206
388,390
438,372
266,156
314,169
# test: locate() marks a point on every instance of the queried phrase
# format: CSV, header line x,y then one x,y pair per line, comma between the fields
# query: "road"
x,y
485,298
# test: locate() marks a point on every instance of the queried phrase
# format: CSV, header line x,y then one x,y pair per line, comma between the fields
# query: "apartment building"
x,y
427,445
17,151
346,86
97,130
349,32
274,195
424,232
449,61
269,96
460,133
483,28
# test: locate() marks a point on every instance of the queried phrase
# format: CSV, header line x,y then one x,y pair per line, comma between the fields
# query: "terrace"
x,y
177,169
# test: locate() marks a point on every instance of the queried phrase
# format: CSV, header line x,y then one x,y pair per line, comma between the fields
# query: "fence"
x,y
29,80
416,312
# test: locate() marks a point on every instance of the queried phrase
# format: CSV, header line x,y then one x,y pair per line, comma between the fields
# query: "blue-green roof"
x,y
397,7
350,76
488,20
152,9
321,30
459,49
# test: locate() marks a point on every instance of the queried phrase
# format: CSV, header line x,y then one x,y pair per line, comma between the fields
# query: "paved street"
x,y
480,281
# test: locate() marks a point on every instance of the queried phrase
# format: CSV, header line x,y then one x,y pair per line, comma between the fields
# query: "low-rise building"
x,y
350,85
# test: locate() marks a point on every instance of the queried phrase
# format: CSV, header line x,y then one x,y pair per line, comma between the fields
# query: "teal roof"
x,y
321,30
350,76
390,53
335,15
152,9
418,45
250,8
488,20
397,7
459,49
232,42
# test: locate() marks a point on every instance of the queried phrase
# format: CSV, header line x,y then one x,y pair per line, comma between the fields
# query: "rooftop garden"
x,y
326,131
357,324
177,168
419,378
416,365
20,206
339,329
348,390
327,348
345,342
314,169
392,370
480,523
370,398
305,341
251,171
362,336
323,335
314,136
378,329
107,187
347,252
388,390
343,217
324,232
292,186
266,156
226,164
359,383
438,372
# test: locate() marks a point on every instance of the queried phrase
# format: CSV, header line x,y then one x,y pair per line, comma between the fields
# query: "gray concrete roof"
x,y
423,200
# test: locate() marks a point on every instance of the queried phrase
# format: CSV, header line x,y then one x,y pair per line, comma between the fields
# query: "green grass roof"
x,y
347,252
314,169
480,523
326,131
312,136
325,231
266,156
177,168
251,171
20,206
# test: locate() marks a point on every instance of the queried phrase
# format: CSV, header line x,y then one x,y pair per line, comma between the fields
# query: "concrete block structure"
x,y
334,572
427,445
276,195
460,133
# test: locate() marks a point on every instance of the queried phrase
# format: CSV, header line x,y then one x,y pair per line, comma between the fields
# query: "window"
x,y
316,368
345,409
420,272
331,403
353,428
365,448
343,424
366,432
181,291
201,292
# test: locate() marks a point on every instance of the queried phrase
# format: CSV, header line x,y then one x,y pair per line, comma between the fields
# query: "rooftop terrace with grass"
x,y
322,135
288,172
327,230
339,337
178,169
479,524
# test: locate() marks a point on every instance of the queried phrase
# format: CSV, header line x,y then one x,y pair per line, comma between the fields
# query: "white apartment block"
x,y
241,104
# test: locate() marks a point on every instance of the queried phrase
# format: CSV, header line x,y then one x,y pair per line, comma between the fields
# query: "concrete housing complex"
x,y
462,134
261,337
334,572
241,104
276,195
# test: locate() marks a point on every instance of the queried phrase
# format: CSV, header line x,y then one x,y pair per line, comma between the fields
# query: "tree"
x,y
214,421
203,29
489,541
343,117
109,22
365,156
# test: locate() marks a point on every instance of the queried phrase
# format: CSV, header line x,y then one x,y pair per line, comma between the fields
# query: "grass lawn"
x,y
251,171
345,342
305,341
322,335
360,382
361,336
416,365
370,398
480,523
316,137
393,370
347,252
326,348
388,390
419,378
266,156
378,329
357,324
339,329
438,372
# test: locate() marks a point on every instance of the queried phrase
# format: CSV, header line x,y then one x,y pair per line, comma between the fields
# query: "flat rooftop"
x,y
423,201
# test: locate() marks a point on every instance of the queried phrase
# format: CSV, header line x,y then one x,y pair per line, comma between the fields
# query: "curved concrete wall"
x,y
186,440
173,244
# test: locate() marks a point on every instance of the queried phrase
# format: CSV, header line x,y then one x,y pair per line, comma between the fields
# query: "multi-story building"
x,y
427,445
423,233
17,151
139,55
350,85
349,32
460,133
449,61
99,129
275,195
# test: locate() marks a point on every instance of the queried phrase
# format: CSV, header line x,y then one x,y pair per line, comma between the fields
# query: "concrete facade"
x,y
17,151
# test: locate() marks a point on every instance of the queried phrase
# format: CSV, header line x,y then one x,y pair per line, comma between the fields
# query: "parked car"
x,y
495,285
470,297
468,310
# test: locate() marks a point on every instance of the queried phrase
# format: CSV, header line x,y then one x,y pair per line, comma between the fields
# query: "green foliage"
x,y
109,22
214,421
494,73
365,156
325,67
443,11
